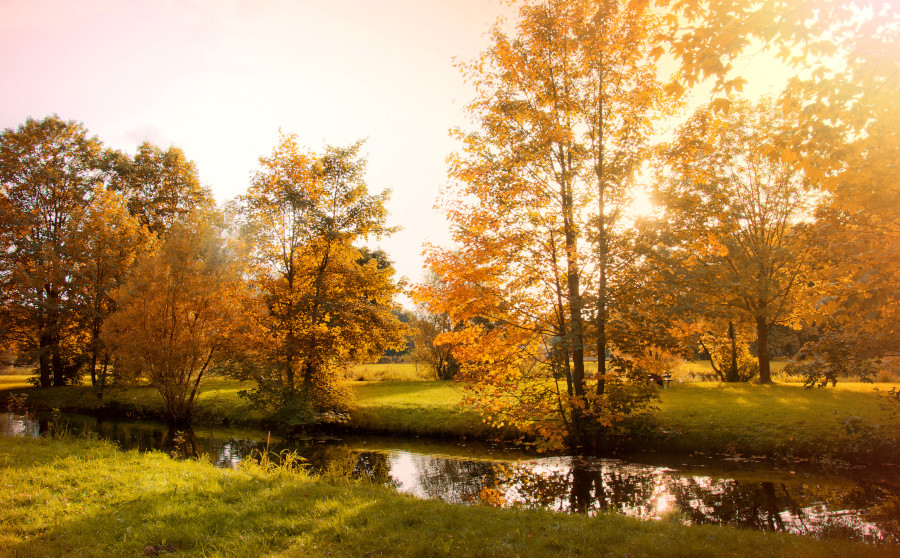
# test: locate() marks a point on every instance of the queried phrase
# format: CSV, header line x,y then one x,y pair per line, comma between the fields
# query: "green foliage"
x,y
329,402
627,413
833,356
17,403
866,441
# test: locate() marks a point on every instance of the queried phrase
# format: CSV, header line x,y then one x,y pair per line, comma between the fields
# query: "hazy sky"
x,y
218,78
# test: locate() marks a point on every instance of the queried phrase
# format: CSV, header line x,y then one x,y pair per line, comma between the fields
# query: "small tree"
x,y
729,354
324,301
428,326
436,356
178,311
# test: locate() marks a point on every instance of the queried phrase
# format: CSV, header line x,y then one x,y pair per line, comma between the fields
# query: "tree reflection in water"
x,y
648,492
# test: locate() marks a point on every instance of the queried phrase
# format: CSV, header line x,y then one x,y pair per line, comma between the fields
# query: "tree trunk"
x,y
602,240
732,375
44,359
576,321
289,372
56,360
601,302
95,345
102,376
59,378
94,367
762,350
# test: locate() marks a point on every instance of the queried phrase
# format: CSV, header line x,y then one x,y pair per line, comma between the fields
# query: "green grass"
x,y
14,381
84,498
422,408
778,419
218,400
686,368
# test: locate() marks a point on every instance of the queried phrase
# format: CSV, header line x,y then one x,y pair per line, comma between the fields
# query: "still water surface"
x,y
856,504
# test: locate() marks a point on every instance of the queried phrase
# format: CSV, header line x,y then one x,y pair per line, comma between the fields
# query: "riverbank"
x,y
71,496
780,420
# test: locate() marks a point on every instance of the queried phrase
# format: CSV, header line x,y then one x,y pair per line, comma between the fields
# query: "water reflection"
x,y
809,506
857,506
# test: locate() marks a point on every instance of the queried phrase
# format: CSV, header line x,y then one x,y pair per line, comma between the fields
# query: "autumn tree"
x,y
563,112
845,137
103,246
159,185
739,216
48,171
428,326
178,311
325,302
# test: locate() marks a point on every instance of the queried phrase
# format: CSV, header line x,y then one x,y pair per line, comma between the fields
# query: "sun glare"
x,y
641,204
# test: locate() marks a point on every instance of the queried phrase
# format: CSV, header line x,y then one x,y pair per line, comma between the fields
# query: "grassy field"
x,y
784,420
779,419
84,498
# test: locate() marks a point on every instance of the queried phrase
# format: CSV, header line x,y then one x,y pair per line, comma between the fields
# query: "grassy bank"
x,y
779,420
775,420
420,408
76,497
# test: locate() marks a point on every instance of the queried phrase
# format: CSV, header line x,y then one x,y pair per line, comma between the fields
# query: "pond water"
x,y
855,504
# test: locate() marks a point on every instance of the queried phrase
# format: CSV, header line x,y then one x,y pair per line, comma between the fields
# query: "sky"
x,y
220,78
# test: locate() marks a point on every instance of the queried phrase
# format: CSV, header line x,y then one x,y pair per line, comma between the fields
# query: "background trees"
x,y
103,247
845,137
324,301
738,217
69,238
429,325
159,185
